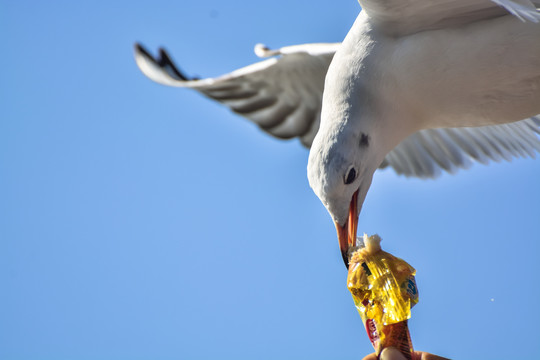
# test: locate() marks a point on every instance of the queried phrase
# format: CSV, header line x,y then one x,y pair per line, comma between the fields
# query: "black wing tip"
x,y
166,62
163,61
139,49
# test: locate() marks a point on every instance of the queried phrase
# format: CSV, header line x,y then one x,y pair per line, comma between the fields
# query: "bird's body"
x,y
465,76
416,85
390,86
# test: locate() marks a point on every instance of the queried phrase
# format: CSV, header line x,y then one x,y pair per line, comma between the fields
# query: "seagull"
x,y
419,86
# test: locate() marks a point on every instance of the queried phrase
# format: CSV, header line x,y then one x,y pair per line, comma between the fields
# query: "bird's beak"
x,y
347,232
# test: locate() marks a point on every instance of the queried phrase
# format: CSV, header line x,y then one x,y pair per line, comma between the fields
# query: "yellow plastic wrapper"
x,y
384,291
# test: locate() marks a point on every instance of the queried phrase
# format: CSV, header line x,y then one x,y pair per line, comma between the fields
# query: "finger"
x,y
370,357
420,355
389,353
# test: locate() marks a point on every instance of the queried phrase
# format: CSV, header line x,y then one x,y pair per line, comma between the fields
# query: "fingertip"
x,y
371,357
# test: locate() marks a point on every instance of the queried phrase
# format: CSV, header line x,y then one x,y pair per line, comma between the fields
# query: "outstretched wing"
x,y
426,153
282,94
401,17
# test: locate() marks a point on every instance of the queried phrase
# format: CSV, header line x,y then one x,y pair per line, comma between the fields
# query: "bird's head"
x,y
348,148
356,132
340,168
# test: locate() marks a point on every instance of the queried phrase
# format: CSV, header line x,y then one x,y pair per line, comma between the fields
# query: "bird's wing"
x,y
428,152
282,94
401,17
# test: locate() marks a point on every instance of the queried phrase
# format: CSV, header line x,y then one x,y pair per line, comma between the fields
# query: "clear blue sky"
x,y
144,222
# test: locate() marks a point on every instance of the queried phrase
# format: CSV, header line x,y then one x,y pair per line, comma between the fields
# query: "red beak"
x,y
347,232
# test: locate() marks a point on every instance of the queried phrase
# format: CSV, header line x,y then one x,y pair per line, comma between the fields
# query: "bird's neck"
x,y
388,132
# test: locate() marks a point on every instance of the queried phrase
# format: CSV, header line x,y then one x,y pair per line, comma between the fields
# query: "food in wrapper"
x,y
384,291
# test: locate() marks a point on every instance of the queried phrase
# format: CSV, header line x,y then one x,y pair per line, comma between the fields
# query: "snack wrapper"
x,y
384,291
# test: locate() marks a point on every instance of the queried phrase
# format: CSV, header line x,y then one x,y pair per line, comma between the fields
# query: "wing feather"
x,y
402,17
281,94
428,152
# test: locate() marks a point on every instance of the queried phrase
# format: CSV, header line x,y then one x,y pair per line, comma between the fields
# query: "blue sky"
x,y
144,222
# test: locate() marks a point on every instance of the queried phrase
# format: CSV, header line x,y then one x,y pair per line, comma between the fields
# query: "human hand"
x,y
392,353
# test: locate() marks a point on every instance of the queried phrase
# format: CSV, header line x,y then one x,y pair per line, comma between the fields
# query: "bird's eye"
x,y
350,176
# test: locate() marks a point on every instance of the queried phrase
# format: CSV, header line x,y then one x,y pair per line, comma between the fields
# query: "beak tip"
x,y
344,255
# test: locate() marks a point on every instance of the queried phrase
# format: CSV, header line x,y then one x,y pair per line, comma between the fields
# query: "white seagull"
x,y
417,85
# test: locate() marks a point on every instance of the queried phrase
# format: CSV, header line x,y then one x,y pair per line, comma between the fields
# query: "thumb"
x,y
391,353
